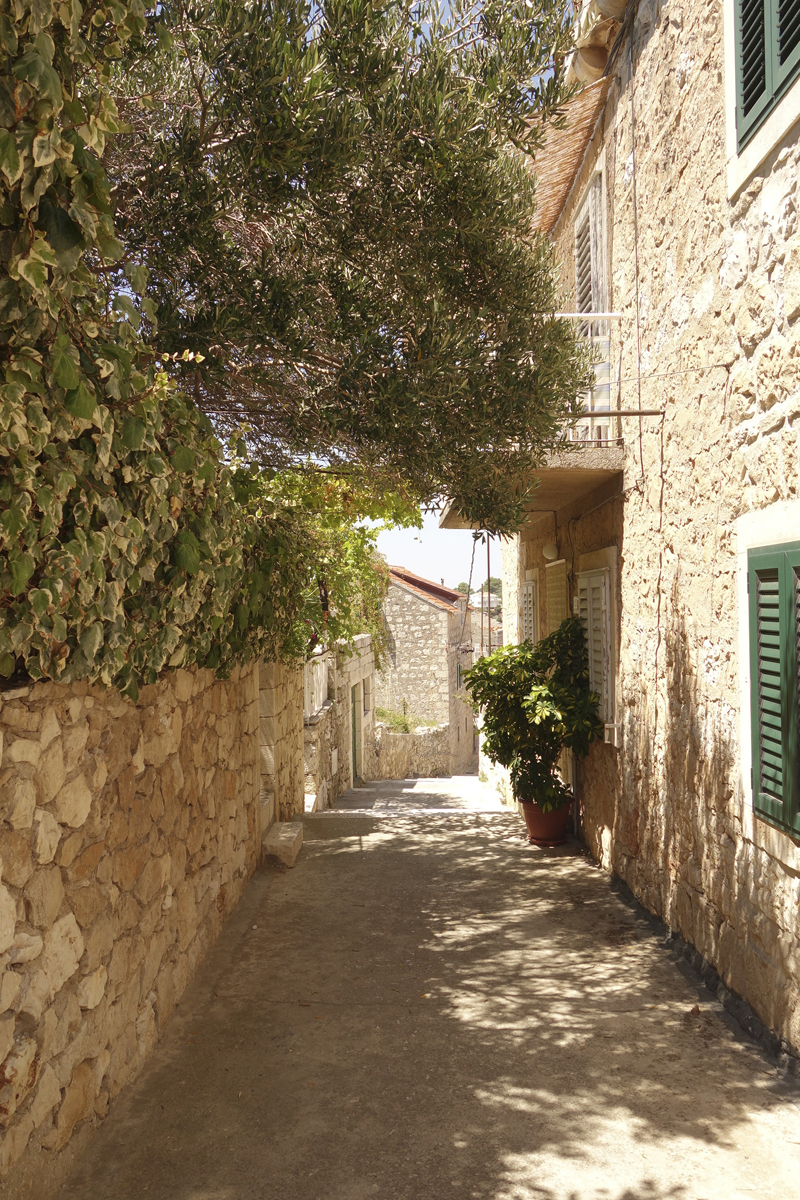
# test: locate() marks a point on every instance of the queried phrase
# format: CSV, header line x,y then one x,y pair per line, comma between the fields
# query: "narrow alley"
x,y
426,1006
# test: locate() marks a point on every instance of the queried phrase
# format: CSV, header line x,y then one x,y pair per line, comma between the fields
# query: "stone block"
x,y
8,918
74,741
73,802
87,901
51,772
63,947
86,863
78,1104
19,799
46,836
7,1025
48,1095
283,841
10,984
27,948
128,865
44,895
18,1073
91,988
50,728
16,857
22,750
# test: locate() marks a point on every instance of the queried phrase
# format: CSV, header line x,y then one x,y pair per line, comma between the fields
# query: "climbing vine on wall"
x,y
127,543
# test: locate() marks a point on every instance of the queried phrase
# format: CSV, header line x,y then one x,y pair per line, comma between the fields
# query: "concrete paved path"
x,y
426,1007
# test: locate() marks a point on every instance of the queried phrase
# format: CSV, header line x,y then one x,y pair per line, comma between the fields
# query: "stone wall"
x,y
422,754
128,834
327,734
718,299
281,733
417,670
463,755
428,642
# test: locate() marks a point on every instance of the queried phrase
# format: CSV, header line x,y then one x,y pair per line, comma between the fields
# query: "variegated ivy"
x,y
125,544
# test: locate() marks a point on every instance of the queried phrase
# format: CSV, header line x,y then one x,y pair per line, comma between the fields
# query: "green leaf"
x,y
62,232
92,640
138,276
22,566
133,433
10,162
183,458
80,402
33,69
65,361
186,557
43,152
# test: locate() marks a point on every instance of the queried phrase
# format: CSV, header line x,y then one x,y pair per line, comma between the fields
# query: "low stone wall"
x,y
423,754
128,834
281,736
320,737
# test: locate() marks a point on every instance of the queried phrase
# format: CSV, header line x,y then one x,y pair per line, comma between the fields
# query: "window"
x,y
773,589
590,297
556,577
767,58
594,609
458,677
530,611
367,694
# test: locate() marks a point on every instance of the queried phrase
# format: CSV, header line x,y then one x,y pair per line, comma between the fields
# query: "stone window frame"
x,y
775,525
742,165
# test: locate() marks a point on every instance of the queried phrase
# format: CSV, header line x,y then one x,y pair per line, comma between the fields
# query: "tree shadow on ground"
x,y
427,1006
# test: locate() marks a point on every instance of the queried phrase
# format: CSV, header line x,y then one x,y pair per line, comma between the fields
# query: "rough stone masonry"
x,y
128,834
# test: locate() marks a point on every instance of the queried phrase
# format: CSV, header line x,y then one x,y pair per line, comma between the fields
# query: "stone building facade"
x,y
127,835
430,645
663,213
339,722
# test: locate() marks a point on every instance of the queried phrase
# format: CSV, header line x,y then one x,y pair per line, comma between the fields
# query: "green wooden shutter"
x,y
786,24
767,58
774,588
753,64
792,563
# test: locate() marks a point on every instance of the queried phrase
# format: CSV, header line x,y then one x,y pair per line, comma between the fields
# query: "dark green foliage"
x,y
536,701
335,210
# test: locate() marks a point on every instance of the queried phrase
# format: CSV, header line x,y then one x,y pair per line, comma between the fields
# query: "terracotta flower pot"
x,y
545,829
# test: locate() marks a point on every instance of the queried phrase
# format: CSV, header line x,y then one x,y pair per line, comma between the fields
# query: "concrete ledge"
x,y
283,841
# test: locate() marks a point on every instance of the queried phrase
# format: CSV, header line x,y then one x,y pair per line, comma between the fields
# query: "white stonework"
x,y
430,643
716,346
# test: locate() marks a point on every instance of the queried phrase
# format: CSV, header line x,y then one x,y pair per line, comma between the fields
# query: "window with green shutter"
x,y
773,585
767,59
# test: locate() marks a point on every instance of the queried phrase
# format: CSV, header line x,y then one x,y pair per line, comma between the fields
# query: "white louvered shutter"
x,y
594,609
530,614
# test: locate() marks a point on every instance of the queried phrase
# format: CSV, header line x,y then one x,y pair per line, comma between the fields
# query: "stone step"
x,y
283,841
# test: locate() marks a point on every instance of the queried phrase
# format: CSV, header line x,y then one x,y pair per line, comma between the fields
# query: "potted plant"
x,y
536,702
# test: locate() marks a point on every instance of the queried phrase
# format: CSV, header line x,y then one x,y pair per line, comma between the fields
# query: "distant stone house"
x,y
671,521
430,636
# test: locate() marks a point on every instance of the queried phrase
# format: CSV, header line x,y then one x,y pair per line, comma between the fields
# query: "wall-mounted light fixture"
x,y
550,551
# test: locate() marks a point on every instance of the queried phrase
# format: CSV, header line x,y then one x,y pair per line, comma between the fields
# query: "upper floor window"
x,y
773,588
590,288
767,59
591,297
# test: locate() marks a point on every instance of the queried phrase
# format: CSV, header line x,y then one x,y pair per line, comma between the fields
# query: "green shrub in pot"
x,y
536,701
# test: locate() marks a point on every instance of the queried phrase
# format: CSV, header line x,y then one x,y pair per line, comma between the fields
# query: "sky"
x,y
438,554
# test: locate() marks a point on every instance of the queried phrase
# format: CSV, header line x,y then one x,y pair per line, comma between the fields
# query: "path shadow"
x,y
427,1006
